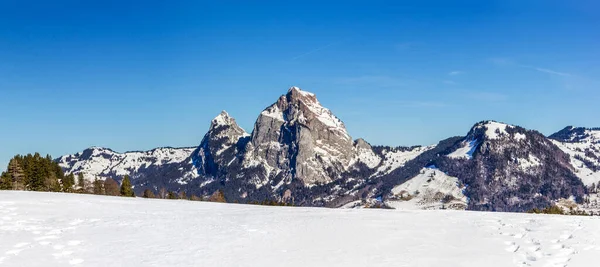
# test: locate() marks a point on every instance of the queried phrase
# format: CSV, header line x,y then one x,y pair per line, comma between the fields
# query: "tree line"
x,y
37,173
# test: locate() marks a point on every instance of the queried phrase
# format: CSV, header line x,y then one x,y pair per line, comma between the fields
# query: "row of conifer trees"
x,y
37,173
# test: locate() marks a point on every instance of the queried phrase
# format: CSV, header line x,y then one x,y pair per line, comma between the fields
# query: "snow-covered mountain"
x,y
583,145
300,152
509,168
102,163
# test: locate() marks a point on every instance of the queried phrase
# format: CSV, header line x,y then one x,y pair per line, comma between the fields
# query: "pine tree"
x,y
172,195
68,182
148,193
126,189
98,187
5,181
35,172
16,174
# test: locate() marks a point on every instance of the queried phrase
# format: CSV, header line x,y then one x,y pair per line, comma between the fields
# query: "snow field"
x,y
52,229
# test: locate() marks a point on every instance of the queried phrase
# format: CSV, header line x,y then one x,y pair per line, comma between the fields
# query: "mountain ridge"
x,y
300,152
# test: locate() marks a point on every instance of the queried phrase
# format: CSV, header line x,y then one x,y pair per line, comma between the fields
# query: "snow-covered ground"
x,y
49,229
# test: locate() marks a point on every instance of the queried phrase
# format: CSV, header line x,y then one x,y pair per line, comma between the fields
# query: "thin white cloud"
x,y
507,61
455,72
313,51
550,71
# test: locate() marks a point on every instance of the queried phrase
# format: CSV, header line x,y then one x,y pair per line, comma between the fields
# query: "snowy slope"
x,y
102,162
46,229
395,158
583,146
431,189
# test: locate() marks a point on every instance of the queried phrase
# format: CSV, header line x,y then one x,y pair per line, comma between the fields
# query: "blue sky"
x,y
134,75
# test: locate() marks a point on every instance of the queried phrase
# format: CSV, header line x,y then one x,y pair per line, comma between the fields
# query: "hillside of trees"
x,y
37,173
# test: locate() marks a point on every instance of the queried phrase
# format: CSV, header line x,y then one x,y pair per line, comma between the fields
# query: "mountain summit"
x,y
297,136
299,152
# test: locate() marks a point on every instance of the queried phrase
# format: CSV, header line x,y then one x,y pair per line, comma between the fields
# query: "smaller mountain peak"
x,y
296,91
493,129
576,134
362,144
222,119
99,148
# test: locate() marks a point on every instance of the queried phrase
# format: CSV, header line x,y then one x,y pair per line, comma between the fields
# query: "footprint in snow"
x,y
518,236
513,247
566,236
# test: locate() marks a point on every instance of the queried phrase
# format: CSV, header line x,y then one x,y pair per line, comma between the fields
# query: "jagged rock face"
x,y
300,152
296,135
508,168
219,147
583,147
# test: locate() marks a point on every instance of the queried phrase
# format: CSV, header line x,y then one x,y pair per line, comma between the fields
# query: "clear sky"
x,y
134,75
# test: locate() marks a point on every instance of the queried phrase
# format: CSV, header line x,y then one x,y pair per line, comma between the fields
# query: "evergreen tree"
x,y
111,187
172,195
68,182
148,193
98,187
5,181
16,175
126,189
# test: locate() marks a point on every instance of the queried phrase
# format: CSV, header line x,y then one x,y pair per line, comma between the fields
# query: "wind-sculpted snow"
x,y
50,229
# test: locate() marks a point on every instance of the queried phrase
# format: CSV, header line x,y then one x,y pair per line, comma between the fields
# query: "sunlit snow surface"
x,y
49,229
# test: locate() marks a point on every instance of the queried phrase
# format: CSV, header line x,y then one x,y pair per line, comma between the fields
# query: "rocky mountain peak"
x,y
299,136
219,145
362,144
